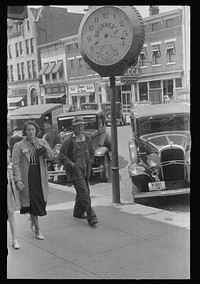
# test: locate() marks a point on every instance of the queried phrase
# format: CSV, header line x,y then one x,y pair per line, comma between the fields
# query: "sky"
x,y
143,10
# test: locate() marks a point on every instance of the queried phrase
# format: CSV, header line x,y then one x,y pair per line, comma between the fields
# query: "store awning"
x,y
43,69
54,96
58,67
49,69
15,100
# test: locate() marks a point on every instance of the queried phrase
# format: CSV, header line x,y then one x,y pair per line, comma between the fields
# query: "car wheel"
x,y
105,176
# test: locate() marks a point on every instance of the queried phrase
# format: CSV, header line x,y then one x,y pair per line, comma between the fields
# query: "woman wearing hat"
x,y
77,155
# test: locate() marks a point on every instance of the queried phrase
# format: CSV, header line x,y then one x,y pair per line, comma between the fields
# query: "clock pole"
x,y
114,141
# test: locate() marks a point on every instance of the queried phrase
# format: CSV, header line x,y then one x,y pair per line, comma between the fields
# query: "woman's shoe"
x,y
15,244
39,235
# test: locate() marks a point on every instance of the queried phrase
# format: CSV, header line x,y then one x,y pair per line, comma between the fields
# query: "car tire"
x,y
105,176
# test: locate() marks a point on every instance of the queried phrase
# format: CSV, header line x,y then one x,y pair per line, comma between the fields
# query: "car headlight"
x,y
153,160
187,156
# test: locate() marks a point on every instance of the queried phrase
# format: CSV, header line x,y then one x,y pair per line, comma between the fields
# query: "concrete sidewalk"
x,y
130,241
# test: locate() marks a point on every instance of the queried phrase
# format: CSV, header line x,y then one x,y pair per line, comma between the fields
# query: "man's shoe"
x,y
92,221
83,216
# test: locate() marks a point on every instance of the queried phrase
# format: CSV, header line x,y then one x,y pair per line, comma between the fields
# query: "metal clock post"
x,y
110,40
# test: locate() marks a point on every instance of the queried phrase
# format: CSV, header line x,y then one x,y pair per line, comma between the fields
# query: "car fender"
x,y
101,151
136,170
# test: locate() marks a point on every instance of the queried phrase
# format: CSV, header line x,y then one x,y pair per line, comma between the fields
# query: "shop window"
x,y
168,88
178,83
155,84
143,94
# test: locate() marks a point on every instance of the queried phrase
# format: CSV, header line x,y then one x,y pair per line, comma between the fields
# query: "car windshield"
x,y
65,123
167,123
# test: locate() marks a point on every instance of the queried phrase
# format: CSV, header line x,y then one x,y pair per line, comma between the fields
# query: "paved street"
x,y
129,242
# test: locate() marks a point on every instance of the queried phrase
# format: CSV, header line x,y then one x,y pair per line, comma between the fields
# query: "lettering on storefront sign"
x,y
55,90
132,72
81,89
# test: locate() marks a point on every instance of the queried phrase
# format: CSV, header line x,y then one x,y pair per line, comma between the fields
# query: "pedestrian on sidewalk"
x,y
77,155
29,162
13,203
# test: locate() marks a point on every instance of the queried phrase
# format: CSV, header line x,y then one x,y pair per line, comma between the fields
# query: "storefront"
x,y
83,93
56,94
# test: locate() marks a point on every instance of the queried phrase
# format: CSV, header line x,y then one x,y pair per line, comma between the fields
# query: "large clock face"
x,y
106,36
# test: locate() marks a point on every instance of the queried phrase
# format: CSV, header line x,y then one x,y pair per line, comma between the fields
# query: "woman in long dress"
x,y
29,161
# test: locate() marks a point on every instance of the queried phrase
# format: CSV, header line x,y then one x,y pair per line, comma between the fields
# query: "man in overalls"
x,y
77,155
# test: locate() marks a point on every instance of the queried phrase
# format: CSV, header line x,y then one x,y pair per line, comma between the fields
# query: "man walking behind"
x,y
77,155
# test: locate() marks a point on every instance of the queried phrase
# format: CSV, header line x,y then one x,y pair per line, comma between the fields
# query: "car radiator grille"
x,y
172,163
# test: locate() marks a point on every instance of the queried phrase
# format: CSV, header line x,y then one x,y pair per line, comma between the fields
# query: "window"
x,y
22,70
11,73
20,48
143,57
27,46
16,49
69,46
169,23
29,69
155,27
9,52
71,64
170,52
53,76
155,84
80,62
76,44
34,69
8,74
47,77
18,72
32,45
99,89
178,83
28,25
156,59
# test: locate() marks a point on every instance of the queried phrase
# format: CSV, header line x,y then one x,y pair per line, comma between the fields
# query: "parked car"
x,y
44,114
96,129
160,150
89,106
106,107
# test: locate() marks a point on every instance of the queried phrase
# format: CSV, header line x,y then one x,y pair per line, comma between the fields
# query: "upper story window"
x,y
70,46
71,64
29,69
170,52
16,49
32,45
22,70
11,73
155,26
80,62
76,45
9,52
34,69
27,46
143,57
8,74
20,48
155,53
169,23
28,25
18,72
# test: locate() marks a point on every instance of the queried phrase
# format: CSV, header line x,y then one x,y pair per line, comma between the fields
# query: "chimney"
x,y
153,10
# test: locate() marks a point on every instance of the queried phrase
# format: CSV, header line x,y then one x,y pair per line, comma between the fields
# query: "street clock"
x,y
111,38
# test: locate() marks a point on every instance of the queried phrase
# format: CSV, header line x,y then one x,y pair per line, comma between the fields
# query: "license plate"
x,y
158,185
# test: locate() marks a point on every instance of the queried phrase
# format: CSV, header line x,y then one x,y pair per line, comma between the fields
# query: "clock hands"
x,y
106,36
